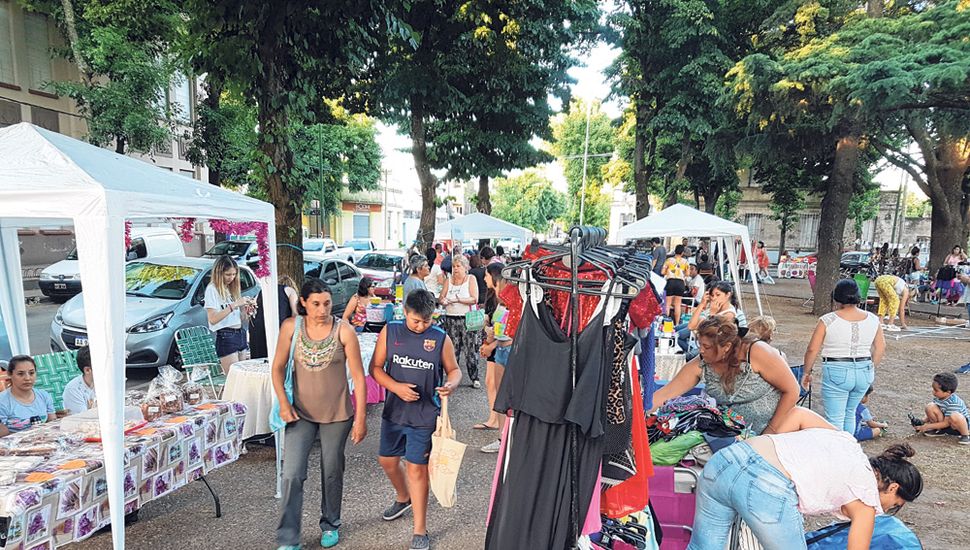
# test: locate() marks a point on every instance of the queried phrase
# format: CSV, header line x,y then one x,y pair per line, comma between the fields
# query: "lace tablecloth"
x,y
249,382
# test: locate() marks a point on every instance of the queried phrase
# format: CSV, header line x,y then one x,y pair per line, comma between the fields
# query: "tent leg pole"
x,y
215,497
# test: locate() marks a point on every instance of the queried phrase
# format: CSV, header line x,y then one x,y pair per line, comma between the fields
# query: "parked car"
x,y
244,251
342,278
361,247
163,296
318,250
63,279
384,267
854,260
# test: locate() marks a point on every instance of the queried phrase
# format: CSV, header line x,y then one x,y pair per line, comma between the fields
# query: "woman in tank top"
x,y
851,344
771,481
458,296
324,347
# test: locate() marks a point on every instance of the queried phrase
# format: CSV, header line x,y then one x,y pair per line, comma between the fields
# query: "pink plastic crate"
x,y
673,494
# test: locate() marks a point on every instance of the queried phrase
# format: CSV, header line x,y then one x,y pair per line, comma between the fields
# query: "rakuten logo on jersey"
x,y
408,362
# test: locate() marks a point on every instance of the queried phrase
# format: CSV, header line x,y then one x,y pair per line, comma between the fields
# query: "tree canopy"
x,y
528,200
569,147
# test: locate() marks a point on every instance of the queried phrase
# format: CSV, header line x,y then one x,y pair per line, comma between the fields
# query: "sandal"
x,y
483,426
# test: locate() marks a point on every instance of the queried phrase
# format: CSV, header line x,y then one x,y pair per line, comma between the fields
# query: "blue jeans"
x,y
738,481
683,335
844,384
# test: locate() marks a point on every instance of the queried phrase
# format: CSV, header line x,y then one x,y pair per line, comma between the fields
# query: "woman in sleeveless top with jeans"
x,y
323,348
750,378
851,344
458,296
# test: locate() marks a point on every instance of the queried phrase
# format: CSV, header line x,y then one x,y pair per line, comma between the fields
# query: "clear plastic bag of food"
x,y
151,404
170,392
193,392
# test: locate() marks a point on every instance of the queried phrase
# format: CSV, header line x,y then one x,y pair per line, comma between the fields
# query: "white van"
x,y
63,279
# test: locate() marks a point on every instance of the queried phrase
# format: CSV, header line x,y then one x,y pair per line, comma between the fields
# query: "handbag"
x,y
474,320
445,459
276,423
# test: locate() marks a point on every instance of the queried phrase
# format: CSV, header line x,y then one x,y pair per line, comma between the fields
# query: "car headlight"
x,y
58,318
154,324
46,276
384,283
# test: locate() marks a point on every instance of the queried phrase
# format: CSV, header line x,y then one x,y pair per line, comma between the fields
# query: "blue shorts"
x,y
229,341
502,355
863,433
414,444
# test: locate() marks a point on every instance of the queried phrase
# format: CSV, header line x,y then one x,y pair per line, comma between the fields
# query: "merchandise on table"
x,y
62,497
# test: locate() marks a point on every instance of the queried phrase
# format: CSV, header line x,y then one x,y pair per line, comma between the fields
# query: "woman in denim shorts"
x,y
226,309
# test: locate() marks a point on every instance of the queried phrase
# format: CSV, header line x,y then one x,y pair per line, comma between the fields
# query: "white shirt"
x,y
77,394
431,281
848,338
698,283
214,301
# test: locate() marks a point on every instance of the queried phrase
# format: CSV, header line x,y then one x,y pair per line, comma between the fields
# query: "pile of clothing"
x,y
686,422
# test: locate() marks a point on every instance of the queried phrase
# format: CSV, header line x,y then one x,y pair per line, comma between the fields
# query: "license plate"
x,y
80,342
60,286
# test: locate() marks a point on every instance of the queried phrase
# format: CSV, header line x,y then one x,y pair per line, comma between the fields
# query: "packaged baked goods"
x,y
193,392
151,408
169,392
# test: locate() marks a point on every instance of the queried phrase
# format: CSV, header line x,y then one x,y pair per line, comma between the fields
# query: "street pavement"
x,y
185,519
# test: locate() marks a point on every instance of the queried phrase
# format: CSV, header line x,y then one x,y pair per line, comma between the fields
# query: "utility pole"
x,y
582,195
387,216
320,169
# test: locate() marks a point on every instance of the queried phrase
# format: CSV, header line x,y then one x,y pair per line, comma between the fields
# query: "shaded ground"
x,y
185,519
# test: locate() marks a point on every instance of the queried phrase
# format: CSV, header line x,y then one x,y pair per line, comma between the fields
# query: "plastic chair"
x,y
810,275
197,347
54,371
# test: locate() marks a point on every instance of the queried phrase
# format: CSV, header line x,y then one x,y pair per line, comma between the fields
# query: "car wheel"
x,y
174,357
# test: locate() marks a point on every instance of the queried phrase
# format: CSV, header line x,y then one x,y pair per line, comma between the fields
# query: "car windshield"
x,y
232,248
358,245
312,246
170,282
380,262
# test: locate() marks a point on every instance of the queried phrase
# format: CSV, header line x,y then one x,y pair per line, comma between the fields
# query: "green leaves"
x,y
528,200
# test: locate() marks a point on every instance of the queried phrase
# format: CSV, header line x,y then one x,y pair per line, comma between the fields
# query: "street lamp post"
x,y
582,194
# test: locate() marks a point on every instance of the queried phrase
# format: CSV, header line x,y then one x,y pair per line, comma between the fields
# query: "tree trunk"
x,y
120,145
945,176
484,202
710,200
213,96
834,212
642,163
673,187
784,234
429,183
276,160
874,8
71,27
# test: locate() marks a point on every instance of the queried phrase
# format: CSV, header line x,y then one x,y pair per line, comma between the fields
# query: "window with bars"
x,y
7,73
37,39
808,231
753,221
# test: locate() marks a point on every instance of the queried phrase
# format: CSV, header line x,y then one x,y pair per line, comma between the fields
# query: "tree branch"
x,y
917,129
907,163
71,26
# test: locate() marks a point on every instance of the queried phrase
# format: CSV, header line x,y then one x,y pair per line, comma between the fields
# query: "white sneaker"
x,y
892,328
492,447
476,384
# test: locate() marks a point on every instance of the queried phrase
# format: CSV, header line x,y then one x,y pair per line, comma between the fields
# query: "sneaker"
x,y
420,542
965,369
396,510
329,539
492,447
892,328
964,440
476,384
934,433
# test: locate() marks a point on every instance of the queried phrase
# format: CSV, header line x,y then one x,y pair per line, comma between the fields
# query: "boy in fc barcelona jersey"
x,y
415,361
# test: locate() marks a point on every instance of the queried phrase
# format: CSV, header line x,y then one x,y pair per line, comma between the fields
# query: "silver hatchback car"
x,y
163,295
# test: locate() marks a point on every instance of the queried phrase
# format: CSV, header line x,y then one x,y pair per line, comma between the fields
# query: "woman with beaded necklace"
x,y
322,345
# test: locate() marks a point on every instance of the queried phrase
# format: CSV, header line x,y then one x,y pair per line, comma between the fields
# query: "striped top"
x,y
952,404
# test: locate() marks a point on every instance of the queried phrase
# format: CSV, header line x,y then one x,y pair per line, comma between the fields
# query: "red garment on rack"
x,y
644,308
632,495
512,300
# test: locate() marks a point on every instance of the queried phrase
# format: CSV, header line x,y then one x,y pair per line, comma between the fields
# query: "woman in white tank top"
x,y
851,344
458,296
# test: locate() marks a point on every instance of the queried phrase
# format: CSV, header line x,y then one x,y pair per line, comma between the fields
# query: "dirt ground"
x,y
902,385
184,519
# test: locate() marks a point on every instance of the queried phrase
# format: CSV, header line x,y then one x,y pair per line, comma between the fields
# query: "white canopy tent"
x,y
46,177
480,226
683,221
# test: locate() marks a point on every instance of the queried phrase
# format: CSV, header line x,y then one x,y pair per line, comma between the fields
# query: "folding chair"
x,y
54,371
810,275
804,396
864,284
198,350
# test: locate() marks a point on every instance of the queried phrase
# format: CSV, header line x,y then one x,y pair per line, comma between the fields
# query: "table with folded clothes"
x,y
683,423
53,485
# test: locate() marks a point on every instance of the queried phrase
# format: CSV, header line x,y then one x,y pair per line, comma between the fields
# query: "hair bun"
x,y
898,451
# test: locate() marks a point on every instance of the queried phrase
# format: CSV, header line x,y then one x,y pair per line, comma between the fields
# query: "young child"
x,y
866,427
410,360
947,413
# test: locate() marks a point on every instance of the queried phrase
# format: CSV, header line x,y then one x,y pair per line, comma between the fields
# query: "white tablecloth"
x,y
249,382
668,366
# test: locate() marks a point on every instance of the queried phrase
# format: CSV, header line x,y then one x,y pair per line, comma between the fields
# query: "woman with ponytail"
x,y
771,480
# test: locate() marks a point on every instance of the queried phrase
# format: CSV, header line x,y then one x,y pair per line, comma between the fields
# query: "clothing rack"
x,y
582,239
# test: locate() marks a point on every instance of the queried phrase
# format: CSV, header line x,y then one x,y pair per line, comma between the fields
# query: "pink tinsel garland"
x,y
187,230
127,234
245,228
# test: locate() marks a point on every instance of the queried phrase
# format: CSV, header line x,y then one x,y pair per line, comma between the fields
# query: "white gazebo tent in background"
x,y
480,226
683,221
46,177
